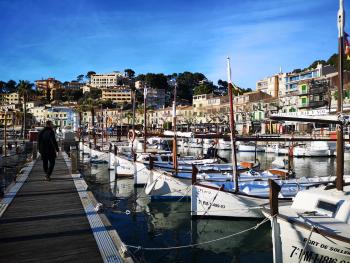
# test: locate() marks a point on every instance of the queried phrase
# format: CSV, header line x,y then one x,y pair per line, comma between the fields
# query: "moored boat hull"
x,y
209,201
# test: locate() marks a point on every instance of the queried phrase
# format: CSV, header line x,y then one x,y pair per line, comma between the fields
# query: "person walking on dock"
x,y
48,147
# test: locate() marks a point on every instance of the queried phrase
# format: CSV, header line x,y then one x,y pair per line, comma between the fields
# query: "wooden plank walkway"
x,y
46,221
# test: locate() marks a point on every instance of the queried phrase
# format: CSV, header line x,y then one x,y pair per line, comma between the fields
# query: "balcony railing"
x,y
318,90
317,103
312,104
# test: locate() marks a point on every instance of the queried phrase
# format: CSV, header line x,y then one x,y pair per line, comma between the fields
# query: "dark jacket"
x,y
47,143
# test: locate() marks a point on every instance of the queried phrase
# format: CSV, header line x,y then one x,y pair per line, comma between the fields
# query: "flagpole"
x,y
232,128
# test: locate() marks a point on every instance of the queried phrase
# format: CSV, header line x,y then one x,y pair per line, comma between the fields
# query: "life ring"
x,y
131,135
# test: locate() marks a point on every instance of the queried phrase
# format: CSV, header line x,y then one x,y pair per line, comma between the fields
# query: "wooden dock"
x,y
47,222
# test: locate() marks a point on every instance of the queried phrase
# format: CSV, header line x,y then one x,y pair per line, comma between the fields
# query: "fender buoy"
x,y
131,135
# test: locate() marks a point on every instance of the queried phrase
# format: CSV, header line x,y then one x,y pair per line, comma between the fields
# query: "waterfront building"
x,y
313,93
9,115
292,80
39,114
72,84
272,85
86,88
155,98
10,107
61,116
140,84
46,85
117,94
106,80
12,98
32,104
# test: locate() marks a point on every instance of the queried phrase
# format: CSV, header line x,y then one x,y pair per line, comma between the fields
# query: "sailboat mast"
x,y
340,138
133,121
174,128
144,118
232,128
341,15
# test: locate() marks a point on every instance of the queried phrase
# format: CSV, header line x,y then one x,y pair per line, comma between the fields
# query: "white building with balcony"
x,y
105,80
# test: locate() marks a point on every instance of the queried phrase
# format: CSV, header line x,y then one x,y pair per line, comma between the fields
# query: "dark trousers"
x,y
48,169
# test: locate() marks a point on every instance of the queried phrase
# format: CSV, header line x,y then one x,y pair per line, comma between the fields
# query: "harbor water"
x,y
149,227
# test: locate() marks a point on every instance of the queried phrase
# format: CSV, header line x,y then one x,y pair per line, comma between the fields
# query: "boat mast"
x,y
340,139
174,128
341,15
144,118
133,121
232,128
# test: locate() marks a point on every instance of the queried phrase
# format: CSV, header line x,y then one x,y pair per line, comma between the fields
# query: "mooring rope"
x,y
202,243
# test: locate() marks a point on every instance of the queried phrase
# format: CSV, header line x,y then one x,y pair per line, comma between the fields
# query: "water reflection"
x,y
168,224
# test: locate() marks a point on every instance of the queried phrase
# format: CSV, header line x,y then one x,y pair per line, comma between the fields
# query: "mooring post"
x,y
151,163
274,190
194,174
35,150
115,150
78,155
74,159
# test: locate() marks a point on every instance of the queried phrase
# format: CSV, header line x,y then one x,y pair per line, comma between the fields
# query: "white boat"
x,y
271,148
219,144
314,149
164,160
219,200
138,144
280,163
282,150
250,147
165,185
192,143
314,228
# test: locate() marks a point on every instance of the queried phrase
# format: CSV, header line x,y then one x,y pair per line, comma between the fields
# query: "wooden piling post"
x,y
78,155
115,150
274,190
340,158
151,163
35,150
74,159
194,174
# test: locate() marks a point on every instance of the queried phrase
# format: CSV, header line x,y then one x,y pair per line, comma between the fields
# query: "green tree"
x,y
129,73
25,91
203,89
88,75
141,77
11,86
80,77
316,62
298,70
186,82
2,86
156,81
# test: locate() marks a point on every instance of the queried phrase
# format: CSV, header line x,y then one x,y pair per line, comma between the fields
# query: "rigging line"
x,y
217,193
306,244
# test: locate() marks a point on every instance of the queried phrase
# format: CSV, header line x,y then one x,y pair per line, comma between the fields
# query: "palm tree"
x,y
24,91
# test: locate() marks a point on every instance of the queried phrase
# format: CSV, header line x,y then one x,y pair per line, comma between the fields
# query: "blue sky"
x,y
65,38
